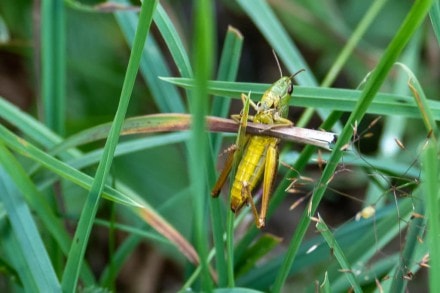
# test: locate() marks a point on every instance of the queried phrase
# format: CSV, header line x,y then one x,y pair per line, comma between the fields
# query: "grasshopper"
x,y
259,153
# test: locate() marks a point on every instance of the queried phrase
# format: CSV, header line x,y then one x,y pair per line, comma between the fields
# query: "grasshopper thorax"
x,y
276,99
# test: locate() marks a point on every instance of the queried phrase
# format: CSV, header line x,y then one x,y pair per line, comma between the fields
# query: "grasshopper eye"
x,y
290,89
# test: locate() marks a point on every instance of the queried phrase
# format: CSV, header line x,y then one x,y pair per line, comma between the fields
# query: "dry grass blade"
x,y
160,225
168,122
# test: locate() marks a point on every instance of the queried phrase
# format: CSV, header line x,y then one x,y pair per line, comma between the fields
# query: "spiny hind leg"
x,y
225,172
270,170
231,151
247,196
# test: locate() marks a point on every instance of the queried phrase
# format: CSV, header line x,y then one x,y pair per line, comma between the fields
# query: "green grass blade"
x,y
325,286
338,253
124,148
217,211
40,206
137,234
228,68
370,235
79,244
395,126
65,171
128,147
266,21
29,126
152,65
360,31
422,101
127,197
203,43
416,230
173,41
53,64
17,259
326,98
264,18
408,27
121,255
345,40
387,226
256,252
435,19
417,225
38,272
431,190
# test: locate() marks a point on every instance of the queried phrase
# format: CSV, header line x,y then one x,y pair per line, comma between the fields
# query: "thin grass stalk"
x,y
79,244
269,25
434,14
53,83
228,69
53,47
431,190
198,145
218,230
338,253
416,229
37,271
358,33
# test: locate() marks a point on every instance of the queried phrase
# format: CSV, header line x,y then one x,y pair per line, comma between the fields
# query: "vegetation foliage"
x,y
98,192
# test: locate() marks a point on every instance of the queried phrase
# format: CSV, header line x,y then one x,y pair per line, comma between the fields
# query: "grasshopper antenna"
x,y
278,62
296,73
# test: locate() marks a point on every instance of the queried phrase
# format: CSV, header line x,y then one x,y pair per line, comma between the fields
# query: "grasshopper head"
x,y
277,97
275,101
283,88
278,90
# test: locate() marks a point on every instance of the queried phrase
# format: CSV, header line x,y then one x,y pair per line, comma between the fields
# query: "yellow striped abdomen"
x,y
250,169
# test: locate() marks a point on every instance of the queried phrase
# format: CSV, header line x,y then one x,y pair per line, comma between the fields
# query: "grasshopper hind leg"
x,y
224,174
247,196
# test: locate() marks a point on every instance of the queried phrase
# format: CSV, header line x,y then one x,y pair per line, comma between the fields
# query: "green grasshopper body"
x,y
260,153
